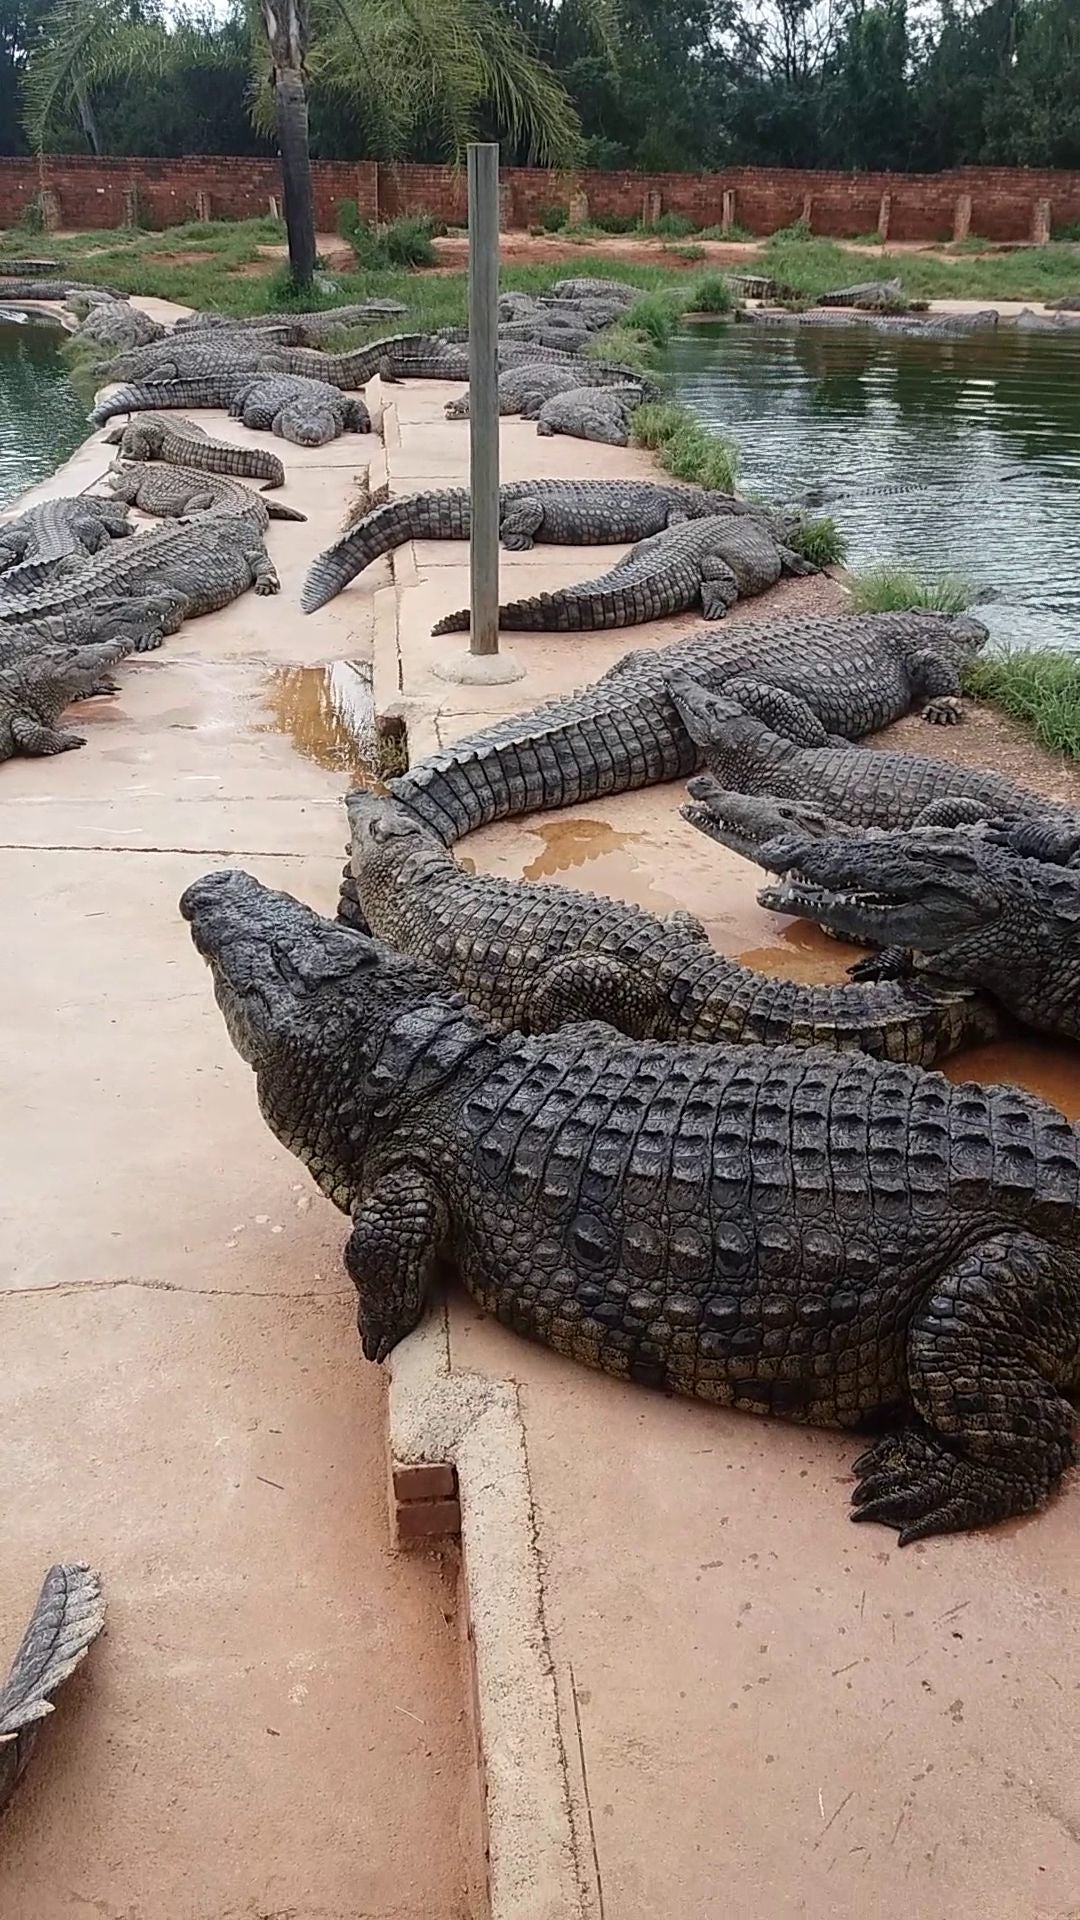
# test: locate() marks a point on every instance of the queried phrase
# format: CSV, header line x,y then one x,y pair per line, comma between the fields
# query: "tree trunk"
x,y
87,117
299,204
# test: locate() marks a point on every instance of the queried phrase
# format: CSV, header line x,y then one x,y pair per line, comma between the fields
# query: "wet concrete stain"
x,y
1048,1068
568,845
328,714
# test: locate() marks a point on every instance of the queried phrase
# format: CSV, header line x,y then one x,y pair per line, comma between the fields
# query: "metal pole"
x,y
484,395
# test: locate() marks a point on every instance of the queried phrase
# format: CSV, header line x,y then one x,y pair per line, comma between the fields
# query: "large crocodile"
x,y
537,957
36,691
142,620
593,413
571,513
827,1238
316,325
71,525
707,564
307,412
964,905
524,388
848,785
67,1618
171,492
853,673
180,443
201,565
116,324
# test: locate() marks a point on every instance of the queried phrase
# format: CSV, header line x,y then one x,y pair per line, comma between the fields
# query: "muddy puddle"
x,y
328,714
600,857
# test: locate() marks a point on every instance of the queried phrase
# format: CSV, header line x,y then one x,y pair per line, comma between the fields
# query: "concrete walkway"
x,y
757,1709
275,1721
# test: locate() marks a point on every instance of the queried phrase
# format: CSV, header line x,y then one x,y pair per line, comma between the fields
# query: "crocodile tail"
x,y
278,512
68,1617
124,400
426,516
543,613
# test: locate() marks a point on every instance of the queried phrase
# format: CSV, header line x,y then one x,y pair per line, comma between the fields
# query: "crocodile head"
x,y
342,1033
747,822
968,907
729,740
390,851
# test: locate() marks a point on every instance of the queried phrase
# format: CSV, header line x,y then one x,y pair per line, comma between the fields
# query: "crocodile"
x,y
307,412
938,326
535,957
823,1237
15,290
316,324
67,1618
180,443
173,491
553,332
852,672
592,413
196,356
143,621
35,692
572,513
584,287
304,411
69,526
963,904
707,564
118,325
524,388
198,567
29,268
846,784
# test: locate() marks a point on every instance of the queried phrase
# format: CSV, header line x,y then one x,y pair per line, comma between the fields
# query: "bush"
x,y
623,344
614,223
821,542
673,226
408,241
1040,687
712,294
32,217
655,315
896,590
735,233
553,219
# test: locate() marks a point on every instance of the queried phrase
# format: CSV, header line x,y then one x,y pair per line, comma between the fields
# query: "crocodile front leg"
x,y
30,737
719,587
793,563
263,570
986,1358
390,1256
939,683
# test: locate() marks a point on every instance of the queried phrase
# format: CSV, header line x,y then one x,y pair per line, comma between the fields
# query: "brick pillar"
x,y
49,202
883,217
577,214
274,205
807,213
202,205
961,220
727,209
1040,223
652,207
131,206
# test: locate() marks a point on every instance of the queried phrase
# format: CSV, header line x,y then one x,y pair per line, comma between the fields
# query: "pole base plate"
x,y
479,669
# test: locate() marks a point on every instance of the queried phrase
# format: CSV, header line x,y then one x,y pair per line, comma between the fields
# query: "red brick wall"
x,y
91,194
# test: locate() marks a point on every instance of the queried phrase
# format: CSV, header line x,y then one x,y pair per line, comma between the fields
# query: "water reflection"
x,y
43,417
955,456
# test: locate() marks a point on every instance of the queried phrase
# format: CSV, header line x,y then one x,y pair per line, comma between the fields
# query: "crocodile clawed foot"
x,y
944,712
911,1481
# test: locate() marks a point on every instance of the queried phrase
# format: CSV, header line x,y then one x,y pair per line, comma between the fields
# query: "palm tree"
x,y
448,67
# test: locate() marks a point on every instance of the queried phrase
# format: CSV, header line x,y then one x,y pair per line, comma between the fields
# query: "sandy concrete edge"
x,y
536,1869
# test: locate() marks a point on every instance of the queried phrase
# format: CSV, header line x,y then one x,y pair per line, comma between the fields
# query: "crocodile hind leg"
x,y
986,1357
390,1256
593,986
520,525
264,570
69,1615
32,738
939,683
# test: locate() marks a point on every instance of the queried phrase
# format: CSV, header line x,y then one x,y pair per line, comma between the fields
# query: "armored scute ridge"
x,y
829,1239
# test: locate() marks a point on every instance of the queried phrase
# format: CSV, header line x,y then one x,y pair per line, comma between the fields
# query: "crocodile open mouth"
x,y
794,894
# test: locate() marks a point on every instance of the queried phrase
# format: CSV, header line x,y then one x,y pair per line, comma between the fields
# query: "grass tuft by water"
x,y
1038,686
896,590
685,448
821,542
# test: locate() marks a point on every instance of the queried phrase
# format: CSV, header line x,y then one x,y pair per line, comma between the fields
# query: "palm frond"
x,y
91,43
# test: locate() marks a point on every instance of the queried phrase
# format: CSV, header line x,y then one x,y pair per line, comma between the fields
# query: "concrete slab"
x,y
183,1400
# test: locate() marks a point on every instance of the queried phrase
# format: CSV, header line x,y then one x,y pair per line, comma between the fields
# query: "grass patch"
x,y
686,449
1039,686
689,254
656,315
896,590
625,345
813,267
712,294
821,542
